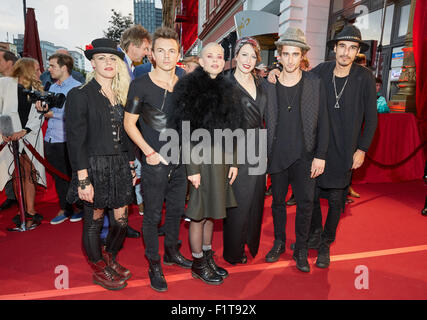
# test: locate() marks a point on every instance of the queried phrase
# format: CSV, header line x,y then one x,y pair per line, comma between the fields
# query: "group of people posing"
x,y
313,122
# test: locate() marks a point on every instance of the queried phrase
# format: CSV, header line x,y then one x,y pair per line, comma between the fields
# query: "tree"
x,y
118,24
168,11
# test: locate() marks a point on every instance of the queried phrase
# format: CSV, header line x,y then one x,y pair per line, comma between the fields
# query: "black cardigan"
x,y
89,127
359,109
314,117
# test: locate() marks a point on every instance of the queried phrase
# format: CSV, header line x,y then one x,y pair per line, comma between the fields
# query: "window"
x,y
404,18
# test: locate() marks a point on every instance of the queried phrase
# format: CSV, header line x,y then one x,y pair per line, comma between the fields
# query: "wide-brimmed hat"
x,y
349,33
103,45
293,37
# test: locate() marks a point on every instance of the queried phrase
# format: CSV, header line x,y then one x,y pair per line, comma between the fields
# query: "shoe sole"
x,y
195,276
274,260
55,223
76,220
109,288
158,290
173,263
322,266
301,269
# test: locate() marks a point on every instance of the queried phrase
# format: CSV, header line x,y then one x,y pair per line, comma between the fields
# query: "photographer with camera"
x,y
60,68
26,123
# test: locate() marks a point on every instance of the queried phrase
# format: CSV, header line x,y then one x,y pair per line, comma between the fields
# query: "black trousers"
x,y
336,200
298,176
57,155
162,184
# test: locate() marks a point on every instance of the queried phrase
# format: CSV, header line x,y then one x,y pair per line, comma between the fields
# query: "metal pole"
x,y
18,181
25,11
380,46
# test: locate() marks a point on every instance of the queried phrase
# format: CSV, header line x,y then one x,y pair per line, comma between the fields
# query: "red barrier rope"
x,y
400,162
44,162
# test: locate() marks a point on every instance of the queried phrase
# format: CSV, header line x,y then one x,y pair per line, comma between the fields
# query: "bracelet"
x,y
83,183
151,154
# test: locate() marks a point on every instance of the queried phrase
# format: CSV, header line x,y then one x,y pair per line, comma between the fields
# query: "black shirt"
x,y
151,97
289,145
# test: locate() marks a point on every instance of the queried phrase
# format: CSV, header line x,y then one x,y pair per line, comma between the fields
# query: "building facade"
x,y
266,20
48,49
146,14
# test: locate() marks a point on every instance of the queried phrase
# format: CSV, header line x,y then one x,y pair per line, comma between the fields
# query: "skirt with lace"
x,y
111,179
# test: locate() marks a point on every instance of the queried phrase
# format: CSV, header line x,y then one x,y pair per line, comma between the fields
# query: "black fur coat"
x,y
207,103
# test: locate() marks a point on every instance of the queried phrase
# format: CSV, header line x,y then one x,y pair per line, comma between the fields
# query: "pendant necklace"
x,y
293,98
338,96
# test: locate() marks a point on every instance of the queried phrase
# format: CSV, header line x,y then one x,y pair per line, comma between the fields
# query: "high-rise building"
x,y
146,14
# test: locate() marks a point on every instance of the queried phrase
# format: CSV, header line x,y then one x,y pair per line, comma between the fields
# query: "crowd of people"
x,y
108,137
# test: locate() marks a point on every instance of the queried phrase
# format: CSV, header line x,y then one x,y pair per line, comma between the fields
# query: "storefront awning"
x,y
251,23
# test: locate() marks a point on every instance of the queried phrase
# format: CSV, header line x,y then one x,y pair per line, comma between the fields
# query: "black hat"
x,y
349,33
103,45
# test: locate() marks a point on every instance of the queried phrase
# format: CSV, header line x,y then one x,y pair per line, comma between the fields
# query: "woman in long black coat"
x,y
243,223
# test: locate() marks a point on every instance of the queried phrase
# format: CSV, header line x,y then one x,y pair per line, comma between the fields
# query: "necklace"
x,y
293,98
338,96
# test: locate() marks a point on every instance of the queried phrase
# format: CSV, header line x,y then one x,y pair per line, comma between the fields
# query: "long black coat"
x,y
358,104
208,104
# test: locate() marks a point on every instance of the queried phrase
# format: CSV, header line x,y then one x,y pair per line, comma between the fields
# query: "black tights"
x,y
93,221
200,234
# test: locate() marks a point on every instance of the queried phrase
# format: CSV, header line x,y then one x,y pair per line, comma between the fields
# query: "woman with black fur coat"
x,y
208,101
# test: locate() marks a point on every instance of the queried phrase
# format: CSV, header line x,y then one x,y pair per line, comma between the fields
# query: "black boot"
x,y
201,270
323,256
157,279
173,256
300,256
211,262
274,254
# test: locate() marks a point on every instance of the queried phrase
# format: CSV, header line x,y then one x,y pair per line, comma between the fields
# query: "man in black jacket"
x,y
298,131
351,95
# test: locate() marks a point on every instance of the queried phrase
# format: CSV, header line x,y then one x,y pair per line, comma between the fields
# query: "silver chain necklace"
x,y
338,96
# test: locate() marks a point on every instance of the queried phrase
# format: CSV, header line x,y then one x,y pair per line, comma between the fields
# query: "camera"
x,y
53,100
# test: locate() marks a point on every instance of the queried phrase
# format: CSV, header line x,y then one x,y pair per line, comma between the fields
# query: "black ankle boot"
x,y
323,256
157,279
173,256
300,256
211,262
201,270
274,254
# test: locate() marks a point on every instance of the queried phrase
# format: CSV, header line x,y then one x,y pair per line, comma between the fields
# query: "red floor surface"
x,y
383,232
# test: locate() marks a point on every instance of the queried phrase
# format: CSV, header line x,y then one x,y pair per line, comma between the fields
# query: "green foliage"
x,y
118,24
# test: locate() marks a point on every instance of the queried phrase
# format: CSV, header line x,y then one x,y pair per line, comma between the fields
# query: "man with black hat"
x,y
351,95
298,131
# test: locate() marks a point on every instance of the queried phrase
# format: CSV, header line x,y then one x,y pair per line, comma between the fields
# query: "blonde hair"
x,y
121,81
25,71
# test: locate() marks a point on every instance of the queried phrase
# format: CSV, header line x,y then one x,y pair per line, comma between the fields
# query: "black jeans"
x,y
162,183
298,176
57,155
336,200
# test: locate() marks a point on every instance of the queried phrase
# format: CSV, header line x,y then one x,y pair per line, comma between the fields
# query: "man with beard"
x,y
352,105
298,131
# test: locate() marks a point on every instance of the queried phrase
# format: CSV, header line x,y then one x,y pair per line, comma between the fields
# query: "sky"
x,y
67,23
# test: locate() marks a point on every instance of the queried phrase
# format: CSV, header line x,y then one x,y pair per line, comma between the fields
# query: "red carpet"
x,y
382,231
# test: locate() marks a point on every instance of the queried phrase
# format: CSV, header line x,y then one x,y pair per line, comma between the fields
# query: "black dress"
x,y
97,141
243,223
